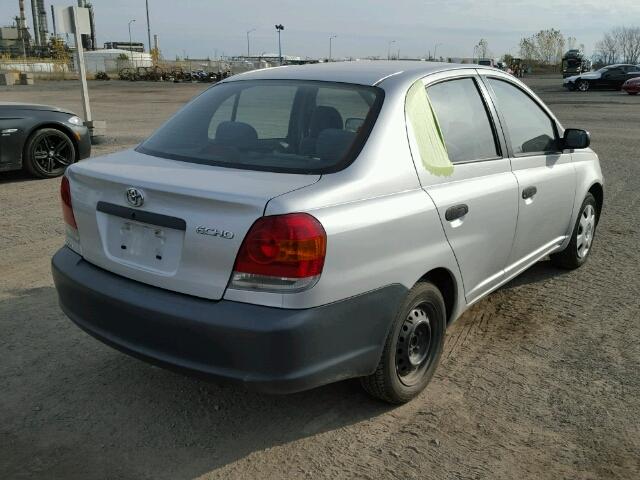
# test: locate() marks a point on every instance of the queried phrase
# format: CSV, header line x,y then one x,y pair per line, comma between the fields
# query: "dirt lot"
x,y
540,380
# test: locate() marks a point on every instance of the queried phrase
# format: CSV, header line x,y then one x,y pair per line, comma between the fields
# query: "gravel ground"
x,y
539,380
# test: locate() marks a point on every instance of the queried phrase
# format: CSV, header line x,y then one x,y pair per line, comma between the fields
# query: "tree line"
x,y
621,44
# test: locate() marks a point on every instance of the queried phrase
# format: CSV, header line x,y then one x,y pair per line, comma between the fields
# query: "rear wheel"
x,y
582,85
412,349
584,231
632,93
48,152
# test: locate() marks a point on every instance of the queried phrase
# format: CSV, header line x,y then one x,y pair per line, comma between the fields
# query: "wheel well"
x,y
598,193
446,283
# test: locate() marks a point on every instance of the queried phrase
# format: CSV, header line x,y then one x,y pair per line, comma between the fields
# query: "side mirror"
x,y
574,139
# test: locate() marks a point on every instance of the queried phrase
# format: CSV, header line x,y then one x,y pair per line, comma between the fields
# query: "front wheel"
x,y
582,85
48,152
576,253
413,347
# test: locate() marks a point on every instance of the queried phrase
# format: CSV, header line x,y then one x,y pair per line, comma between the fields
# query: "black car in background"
x,y
611,77
41,139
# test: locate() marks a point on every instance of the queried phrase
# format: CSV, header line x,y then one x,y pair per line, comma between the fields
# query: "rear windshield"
x,y
286,126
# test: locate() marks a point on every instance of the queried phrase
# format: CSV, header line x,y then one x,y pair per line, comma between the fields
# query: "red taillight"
x,y
289,248
67,210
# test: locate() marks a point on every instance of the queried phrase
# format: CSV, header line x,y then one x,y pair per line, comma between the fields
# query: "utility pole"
x,y
330,39
248,44
389,49
148,26
279,29
81,68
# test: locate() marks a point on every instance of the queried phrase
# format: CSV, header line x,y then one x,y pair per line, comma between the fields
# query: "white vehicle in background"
x,y
297,226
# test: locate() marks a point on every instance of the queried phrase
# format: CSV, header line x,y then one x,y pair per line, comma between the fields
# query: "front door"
x,y
545,175
477,201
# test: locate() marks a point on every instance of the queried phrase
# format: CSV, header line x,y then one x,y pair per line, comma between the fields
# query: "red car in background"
x,y
632,86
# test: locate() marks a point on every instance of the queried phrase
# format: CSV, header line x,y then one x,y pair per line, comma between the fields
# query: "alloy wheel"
x,y
586,230
52,152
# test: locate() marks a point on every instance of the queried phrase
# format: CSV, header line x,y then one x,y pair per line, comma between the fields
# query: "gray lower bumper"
x,y
270,349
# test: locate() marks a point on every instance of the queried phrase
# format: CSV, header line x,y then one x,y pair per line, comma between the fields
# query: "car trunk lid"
x,y
172,224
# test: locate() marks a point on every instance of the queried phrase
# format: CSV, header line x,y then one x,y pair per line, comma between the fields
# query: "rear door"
x,y
545,174
477,203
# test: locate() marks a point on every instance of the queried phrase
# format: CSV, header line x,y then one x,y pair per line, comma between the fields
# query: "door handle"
x,y
529,192
455,212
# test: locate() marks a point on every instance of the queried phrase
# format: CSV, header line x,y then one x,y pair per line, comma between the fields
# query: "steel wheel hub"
x,y
586,229
414,343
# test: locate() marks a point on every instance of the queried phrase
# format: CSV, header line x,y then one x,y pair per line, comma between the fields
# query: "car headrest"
x,y
236,134
322,118
333,144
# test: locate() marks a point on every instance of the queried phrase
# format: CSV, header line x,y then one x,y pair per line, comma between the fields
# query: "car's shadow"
x,y
74,408
15,176
539,272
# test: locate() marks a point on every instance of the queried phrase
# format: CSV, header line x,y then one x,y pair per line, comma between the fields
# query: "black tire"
x,y
393,381
582,85
570,257
48,152
632,93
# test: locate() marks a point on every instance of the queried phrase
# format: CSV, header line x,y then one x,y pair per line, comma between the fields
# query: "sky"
x,y
209,28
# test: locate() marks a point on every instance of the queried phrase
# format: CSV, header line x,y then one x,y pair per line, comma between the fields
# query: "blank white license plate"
x,y
142,245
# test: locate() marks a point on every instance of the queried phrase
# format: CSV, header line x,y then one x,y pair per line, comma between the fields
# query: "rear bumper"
x,y
269,349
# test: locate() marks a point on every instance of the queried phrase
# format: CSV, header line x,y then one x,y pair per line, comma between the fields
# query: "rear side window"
x,y
352,105
530,128
463,120
274,125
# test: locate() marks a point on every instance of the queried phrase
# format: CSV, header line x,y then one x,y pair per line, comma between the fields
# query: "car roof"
x,y
363,72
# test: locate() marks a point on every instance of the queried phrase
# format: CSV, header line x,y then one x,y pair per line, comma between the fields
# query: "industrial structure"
x,y
18,40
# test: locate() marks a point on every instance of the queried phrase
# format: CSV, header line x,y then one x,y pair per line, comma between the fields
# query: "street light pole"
x,y
279,29
330,39
389,49
248,45
130,42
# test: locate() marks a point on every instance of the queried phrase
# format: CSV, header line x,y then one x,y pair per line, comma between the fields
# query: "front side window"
x,y
463,120
530,128
273,125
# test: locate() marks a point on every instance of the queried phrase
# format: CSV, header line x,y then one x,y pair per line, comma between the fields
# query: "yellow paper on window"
x,y
426,129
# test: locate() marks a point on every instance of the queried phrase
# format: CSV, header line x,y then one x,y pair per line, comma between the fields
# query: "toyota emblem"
x,y
135,197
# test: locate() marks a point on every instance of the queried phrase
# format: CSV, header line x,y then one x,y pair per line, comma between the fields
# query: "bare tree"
x,y
607,49
527,49
628,40
546,46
